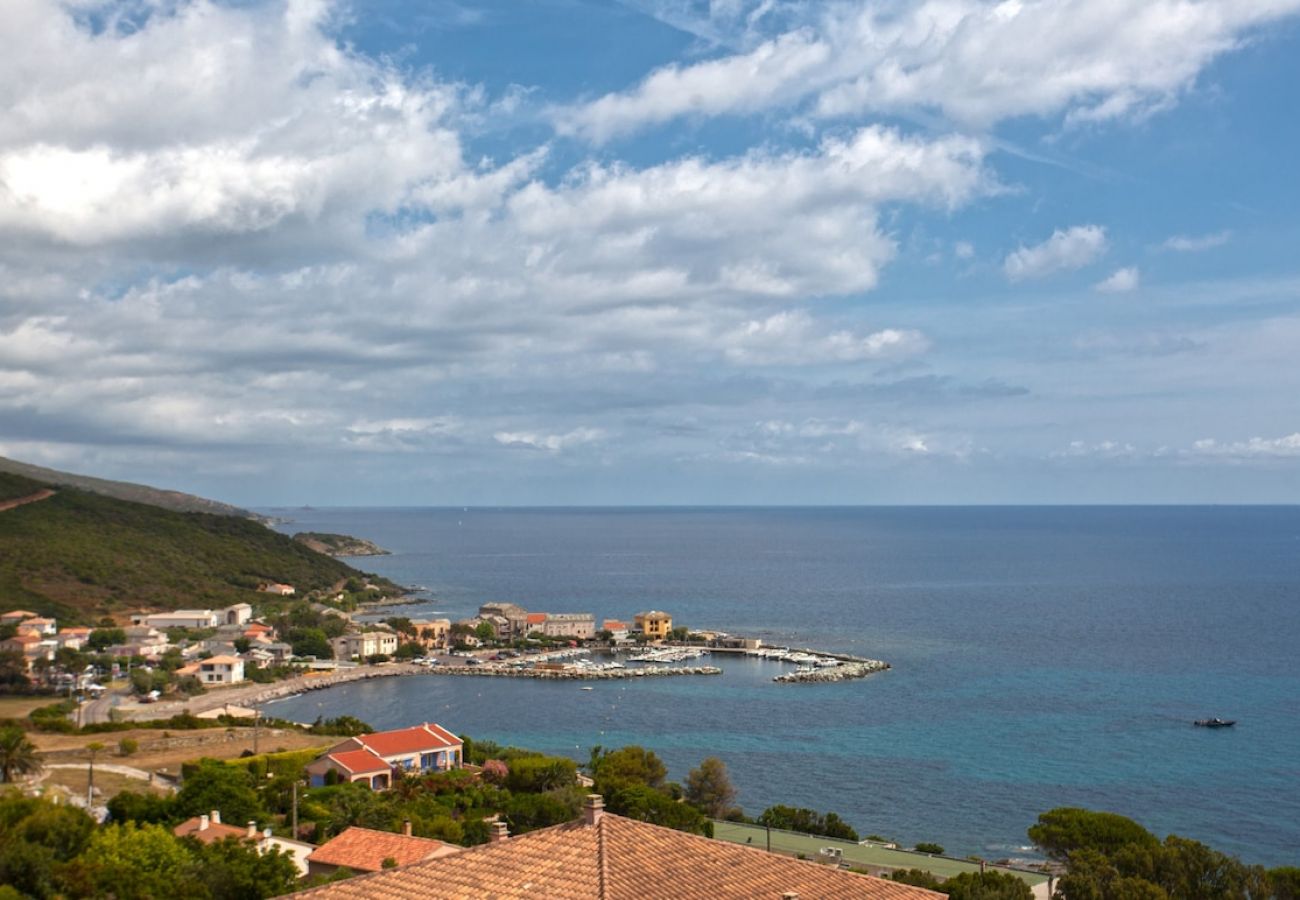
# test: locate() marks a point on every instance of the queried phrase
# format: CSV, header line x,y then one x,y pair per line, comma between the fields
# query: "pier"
x,y
573,674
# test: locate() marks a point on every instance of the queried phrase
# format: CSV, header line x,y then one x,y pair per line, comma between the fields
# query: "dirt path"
x,y
42,494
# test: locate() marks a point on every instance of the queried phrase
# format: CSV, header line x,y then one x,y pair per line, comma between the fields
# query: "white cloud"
x,y
963,250
551,443
795,338
1182,243
1256,448
1072,248
1121,281
976,62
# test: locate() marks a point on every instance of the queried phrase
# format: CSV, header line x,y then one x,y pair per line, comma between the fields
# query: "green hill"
x,y
123,490
80,555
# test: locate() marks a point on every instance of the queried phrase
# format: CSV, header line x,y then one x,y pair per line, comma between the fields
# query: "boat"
x,y
586,689
1215,723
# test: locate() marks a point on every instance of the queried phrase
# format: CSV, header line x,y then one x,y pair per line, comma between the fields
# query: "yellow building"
x,y
654,624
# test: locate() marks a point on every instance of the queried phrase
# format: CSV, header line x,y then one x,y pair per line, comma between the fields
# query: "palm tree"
x,y
17,755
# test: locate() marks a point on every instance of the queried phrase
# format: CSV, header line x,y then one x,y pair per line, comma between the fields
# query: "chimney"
x,y
592,809
790,895
215,816
203,823
500,831
252,830
406,828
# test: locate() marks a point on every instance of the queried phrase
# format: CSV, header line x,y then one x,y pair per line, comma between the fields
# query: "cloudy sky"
x,y
654,251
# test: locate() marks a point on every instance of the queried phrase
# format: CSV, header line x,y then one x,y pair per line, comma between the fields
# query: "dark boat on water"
x,y
1215,723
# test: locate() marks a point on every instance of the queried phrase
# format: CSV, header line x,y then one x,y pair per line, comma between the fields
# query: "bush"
x,y
127,746
933,849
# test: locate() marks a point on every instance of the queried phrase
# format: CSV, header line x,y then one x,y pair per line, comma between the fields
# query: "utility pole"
x,y
294,833
257,727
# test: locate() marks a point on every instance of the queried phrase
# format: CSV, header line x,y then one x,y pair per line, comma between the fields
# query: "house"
x,y
654,624
432,634
221,670
259,631
618,629
372,758
574,625
181,618
209,829
364,645
237,614
39,625
280,652
141,640
30,645
14,616
73,638
366,850
607,857
280,590
515,615
535,622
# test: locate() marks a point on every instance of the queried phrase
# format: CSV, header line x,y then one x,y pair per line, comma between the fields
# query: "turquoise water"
x,y
1043,657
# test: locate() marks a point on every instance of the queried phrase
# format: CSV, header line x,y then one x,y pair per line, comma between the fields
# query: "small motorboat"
x,y
1215,723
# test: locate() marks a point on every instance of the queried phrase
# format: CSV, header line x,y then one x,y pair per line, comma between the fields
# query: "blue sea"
x,y
1043,656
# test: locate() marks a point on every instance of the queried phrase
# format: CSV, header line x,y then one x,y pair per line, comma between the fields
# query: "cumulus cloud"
x,y
795,338
551,443
976,62
1072,248
1181,243
1256,448
1121,281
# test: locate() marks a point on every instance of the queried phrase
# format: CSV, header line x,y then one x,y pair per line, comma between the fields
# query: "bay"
x,y
1043,656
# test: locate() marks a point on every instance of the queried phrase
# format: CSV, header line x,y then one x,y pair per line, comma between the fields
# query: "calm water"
x,y
1043,657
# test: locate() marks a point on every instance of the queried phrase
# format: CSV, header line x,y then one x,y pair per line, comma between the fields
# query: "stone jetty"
x,y
842,672
574,674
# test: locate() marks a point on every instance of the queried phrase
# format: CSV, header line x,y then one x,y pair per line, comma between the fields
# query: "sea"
x,y
1042,657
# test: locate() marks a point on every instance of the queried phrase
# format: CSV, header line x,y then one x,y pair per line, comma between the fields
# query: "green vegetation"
x,y
17,755
1109,857
969,885
807,821
338,544
631,780
709,789
80,555
57,851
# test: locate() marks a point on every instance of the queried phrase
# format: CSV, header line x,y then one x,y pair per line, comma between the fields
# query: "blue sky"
x,y
654,251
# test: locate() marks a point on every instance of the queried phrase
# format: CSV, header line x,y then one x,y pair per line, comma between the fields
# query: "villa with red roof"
x,y
374,758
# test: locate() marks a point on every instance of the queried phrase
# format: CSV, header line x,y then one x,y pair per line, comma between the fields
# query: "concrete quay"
x,y
574,674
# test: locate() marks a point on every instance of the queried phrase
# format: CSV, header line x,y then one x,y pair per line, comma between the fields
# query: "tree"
x,y
807,821
986,885
17,755
1284,882
128,806
130,861
929,847
646,804
709,789
216,785
485,632
631,765
234,869
534,774
13,668
1065,829
102,638
917,878
310,642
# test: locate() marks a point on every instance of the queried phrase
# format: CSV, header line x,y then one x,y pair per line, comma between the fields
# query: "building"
x,y
238,614
365,850
42,626
180,618
373,758
221,670
516,617
574,625
280,590
364,645
30,645
534,623
209,829
654,624
617,628
432,634
607,857
73,638
14,616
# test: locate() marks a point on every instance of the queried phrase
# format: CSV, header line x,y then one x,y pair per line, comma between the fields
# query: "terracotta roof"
x,y
359,761
536,618
409,740
222,660
617,859
214,832
363,850
14,613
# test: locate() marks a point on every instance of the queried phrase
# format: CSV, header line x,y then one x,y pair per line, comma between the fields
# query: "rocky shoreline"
x,y
842,672
574,674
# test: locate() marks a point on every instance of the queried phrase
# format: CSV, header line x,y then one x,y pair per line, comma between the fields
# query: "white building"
x,y
221,670
370,643
180,618
574,625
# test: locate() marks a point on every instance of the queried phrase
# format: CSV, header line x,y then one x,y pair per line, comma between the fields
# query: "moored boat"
x,y
1215,723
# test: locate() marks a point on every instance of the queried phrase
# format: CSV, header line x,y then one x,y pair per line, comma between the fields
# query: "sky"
x,y
571,252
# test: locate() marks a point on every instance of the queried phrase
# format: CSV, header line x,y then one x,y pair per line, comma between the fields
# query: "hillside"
x,y
123,490
339,544
80,555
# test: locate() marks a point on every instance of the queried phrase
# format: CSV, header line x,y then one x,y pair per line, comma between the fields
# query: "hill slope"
x,y
123,490
80,555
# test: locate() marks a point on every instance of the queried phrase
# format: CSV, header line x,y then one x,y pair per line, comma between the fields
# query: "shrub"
x,y
127,746
933,849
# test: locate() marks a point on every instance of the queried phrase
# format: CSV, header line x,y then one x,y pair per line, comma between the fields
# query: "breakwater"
x,y
574,674
842,672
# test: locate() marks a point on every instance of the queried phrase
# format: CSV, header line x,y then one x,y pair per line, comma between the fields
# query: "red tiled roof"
x,y
409,740
536,618
213,833
364,850
359,762
616,859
